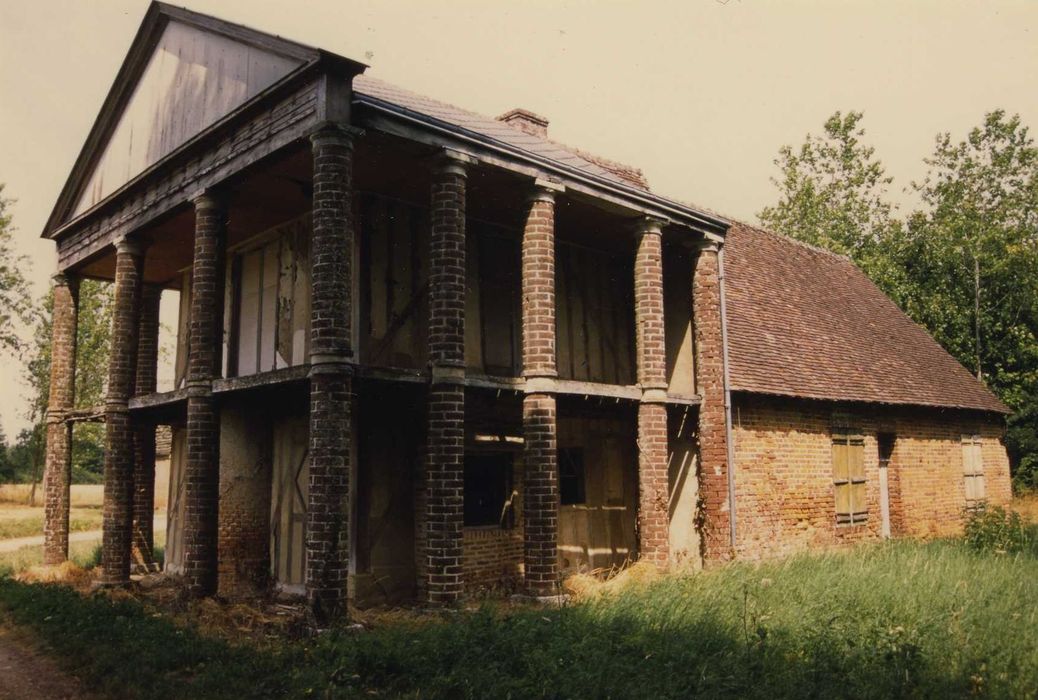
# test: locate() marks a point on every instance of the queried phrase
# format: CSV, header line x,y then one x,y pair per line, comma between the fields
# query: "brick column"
x,y
57,474
144,433
202,470
331,383
713,446
540,426
653,487
122,373
445,435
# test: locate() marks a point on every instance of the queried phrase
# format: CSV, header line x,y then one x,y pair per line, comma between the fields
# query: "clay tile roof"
x,y
367,86
806,322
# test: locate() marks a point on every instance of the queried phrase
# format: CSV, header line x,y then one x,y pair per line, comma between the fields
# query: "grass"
x,y
901,619
86,554
23,521
82,494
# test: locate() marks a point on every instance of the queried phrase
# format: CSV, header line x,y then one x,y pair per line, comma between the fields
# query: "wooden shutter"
x,y
849,476
973,467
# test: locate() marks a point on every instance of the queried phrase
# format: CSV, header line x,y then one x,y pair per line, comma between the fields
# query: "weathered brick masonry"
x,y
653,487
144,433
331,381
202,473
713,458
540,417
445,454
119,454
784,471
58,469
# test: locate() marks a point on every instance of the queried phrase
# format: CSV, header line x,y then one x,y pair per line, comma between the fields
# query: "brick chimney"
x,y
527,121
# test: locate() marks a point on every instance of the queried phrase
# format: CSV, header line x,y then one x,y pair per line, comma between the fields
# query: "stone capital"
x,y
452,162
335,134
544,191
125,245
649,226
541,385
447,374
654,395
707,245
65,279
210,199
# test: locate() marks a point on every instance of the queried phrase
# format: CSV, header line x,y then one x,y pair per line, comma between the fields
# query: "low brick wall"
x,y
784,479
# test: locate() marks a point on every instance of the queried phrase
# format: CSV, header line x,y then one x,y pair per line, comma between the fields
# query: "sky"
x,y
700,94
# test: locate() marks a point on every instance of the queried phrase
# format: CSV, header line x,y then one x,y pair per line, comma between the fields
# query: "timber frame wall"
x,y
499,340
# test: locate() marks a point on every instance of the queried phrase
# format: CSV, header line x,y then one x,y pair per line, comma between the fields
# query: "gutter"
x,y
727,400
715,225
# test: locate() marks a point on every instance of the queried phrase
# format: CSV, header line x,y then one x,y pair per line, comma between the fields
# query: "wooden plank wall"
x,y
677,316
594,315
394,282
268,301
600,533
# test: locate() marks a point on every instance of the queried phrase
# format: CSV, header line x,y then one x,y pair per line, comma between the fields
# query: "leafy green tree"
x,y
833,194
973,256
15,300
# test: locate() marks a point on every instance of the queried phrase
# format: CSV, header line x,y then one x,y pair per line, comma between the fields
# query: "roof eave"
x,y
674,212
1002,410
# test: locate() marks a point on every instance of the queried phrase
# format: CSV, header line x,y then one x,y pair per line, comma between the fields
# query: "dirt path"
x,y
13,545
28,674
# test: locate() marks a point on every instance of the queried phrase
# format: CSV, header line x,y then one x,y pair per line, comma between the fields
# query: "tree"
x,y
973,255
15,300
833,194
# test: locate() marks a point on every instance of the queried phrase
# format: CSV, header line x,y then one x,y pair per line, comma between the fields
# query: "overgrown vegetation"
x,y
964,264
894,620
994,529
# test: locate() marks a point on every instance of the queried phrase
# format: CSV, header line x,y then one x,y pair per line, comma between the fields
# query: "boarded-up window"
x,y
973,467
270,314
849,476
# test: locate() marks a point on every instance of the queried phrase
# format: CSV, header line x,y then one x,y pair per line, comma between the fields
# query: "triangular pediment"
x,y
184,72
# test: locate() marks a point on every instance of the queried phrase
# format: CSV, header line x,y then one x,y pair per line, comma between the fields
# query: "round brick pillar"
x,y
117,524
445,435
653,486
57,474
144,433
202,467
540,419
331,384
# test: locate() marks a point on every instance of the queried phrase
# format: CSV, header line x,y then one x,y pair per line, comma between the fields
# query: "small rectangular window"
x,y
572,485
973,468
488,490
849,476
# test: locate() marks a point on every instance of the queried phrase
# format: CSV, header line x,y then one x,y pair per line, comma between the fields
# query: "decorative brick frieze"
x,y
713,445
58,467
540,417
443,504
144,433
117,537
653,487
202,470
331,384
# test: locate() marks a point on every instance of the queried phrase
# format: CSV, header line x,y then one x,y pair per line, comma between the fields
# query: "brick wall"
x,y
783,473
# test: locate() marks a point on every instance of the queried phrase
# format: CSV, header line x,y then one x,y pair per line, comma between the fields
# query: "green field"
x,y
901,619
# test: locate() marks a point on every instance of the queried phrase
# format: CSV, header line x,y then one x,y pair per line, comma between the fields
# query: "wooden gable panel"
x,y
193,79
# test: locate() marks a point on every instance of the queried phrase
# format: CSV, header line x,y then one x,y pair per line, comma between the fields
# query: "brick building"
x,y
422,353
